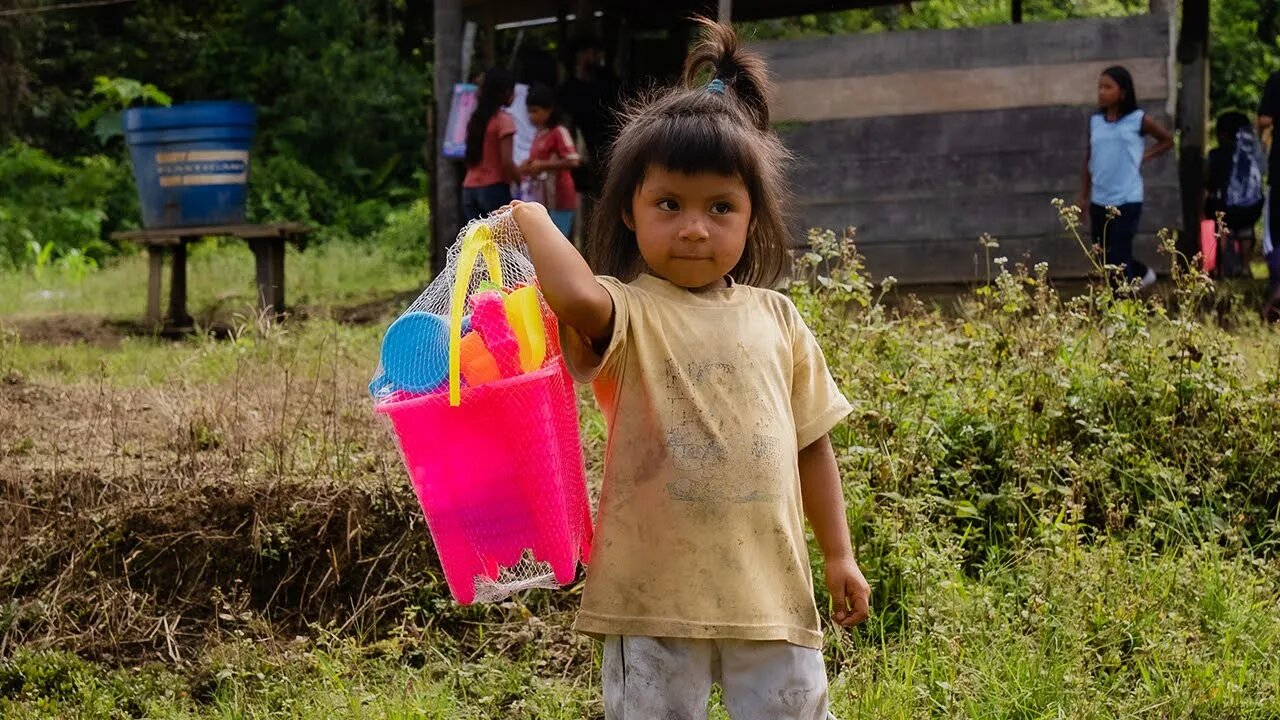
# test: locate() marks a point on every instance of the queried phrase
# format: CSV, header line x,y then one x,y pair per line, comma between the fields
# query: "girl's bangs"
x,y
692,144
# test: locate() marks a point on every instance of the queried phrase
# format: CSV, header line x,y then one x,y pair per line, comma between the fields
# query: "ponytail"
x,y
742,72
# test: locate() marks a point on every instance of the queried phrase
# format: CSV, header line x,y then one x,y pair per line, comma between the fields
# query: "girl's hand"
x,y
850,593
524,215
510,208
522,211
507,225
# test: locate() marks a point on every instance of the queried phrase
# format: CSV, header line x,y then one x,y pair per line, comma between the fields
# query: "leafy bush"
x,y
51,210
340,88
407,233
114,95
1029,415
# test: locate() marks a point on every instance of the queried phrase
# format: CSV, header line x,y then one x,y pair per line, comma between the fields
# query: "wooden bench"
x,y
266,241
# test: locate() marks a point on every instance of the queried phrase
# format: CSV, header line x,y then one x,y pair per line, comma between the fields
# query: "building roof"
x,y
655,13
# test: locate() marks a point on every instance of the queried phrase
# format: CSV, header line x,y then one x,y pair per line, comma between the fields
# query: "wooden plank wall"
x,y
925,140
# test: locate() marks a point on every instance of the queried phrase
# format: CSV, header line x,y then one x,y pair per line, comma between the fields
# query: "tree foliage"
x,y
938,15
1242,52
341,88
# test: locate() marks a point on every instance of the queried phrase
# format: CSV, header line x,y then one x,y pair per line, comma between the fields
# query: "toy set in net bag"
x,y
483,408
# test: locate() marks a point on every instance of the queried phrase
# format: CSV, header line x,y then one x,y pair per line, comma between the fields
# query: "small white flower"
x,y
1001,260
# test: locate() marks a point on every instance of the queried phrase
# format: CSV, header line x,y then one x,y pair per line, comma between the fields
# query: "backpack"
x,y
1244,189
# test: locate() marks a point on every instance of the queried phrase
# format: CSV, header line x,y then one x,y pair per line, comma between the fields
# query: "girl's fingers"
x,y
861,604
843,611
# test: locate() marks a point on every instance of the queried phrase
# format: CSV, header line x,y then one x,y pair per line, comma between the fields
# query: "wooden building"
x,y
925,140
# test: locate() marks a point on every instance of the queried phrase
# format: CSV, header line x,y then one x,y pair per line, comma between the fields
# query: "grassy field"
x,y
1067,508
220,281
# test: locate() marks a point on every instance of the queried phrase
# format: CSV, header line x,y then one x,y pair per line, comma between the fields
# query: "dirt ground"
x,y
142,523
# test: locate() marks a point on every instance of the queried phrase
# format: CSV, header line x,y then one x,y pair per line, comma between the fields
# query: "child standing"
x,y
551,158
1234,188
718,402
490,139
1112,174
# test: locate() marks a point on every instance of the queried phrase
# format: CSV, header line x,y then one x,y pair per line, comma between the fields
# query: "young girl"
x,y
551,158
718,402
1113,170
490,133
1233,187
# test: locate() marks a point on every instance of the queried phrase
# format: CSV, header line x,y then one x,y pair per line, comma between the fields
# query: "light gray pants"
x,y
649,678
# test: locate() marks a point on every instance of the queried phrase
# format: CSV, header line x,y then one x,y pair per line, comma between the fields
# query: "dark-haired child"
x,y
718,402
1112,176
1234,171
490,139
551,157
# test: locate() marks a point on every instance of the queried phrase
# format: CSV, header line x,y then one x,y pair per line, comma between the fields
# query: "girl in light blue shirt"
x,y
1112,174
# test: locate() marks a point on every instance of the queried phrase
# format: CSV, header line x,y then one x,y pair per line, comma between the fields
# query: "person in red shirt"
x,y
551,157
490,135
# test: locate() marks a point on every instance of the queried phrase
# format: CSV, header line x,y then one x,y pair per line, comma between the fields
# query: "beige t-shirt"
x,y
708,398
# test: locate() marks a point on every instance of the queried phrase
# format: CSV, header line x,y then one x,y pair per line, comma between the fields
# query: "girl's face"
x,y
539,115
691,229
1109,93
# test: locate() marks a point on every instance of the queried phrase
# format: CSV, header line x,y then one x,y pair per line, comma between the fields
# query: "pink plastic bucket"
x,y
499,474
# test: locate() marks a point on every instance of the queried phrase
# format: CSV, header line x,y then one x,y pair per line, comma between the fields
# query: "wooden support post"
x,y
1016,12
1193,105
277,274
155,257
565,69
725,15
268,255
490,36
178,317
446,185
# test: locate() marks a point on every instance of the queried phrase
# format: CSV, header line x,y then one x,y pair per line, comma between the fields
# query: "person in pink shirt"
x,y
551,158
490,134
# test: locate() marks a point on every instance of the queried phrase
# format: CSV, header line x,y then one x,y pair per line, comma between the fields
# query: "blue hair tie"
x,y
716,87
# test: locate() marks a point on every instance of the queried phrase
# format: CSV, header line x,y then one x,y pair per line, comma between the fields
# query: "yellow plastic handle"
x,y
477,241
524,313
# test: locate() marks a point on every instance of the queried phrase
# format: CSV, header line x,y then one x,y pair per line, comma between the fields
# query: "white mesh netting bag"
x,y
483,409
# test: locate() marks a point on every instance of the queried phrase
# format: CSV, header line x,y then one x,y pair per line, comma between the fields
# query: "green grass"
x,y
1112,631
335,681
144,361
220,275
1065,507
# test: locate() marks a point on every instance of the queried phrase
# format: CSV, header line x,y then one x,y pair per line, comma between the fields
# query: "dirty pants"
x,y
648,678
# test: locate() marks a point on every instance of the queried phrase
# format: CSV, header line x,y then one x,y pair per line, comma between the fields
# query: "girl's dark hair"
x,y
544,97
691,129
1121,77
495,90
1228,124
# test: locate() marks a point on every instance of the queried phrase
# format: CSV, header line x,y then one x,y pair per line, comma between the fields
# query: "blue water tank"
x,y
191,162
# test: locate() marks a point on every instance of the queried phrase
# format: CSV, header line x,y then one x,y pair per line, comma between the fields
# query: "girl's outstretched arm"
x,y
1164,139
823,500
567,282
